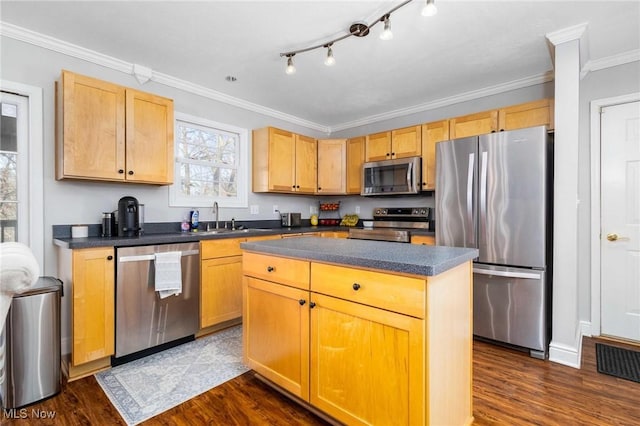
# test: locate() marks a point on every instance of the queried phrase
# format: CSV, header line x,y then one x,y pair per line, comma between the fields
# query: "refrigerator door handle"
x,y
483,194
525,275
470,226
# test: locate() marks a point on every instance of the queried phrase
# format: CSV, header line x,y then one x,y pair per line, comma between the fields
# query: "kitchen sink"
x,y
227,231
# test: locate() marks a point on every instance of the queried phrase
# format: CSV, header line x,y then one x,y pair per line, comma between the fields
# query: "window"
x,y
13,167
211,164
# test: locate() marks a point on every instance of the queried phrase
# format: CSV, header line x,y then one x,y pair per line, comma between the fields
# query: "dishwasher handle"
x,y
144,257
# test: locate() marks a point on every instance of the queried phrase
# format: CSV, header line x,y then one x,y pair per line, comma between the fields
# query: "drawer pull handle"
x,y
312,305
270,268
302,302
356,286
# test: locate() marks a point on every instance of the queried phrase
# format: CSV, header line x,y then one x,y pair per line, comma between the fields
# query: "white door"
x,y
620,221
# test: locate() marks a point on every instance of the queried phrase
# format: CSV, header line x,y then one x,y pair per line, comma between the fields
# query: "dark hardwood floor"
x,y
510,388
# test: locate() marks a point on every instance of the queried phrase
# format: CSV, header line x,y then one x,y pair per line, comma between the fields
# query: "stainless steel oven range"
x,y
394,224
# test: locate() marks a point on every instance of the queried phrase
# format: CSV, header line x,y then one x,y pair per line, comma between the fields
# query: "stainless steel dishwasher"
x,y
146,323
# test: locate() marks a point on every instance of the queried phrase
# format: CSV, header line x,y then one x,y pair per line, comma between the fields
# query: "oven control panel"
x,y
407,213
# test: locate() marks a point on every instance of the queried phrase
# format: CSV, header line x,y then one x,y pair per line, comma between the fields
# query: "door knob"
x,y
615,237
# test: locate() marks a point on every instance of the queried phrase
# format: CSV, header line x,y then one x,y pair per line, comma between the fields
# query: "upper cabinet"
x,y
530,114
432,133
476,124
284,162
355,158
112,133
332,164
399,143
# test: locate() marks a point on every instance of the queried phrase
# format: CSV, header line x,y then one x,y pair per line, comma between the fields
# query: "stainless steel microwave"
x,y
400,176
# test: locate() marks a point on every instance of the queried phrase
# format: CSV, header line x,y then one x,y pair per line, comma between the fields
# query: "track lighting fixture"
x,y
430,8
290,68
329,60
358,29
386,34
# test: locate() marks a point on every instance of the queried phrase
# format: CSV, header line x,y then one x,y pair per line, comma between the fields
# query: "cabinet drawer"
x,y
290,272
386,291
221,248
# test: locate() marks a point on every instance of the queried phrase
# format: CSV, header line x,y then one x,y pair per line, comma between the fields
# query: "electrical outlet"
x,y
313,209
255,209
275,209
357,209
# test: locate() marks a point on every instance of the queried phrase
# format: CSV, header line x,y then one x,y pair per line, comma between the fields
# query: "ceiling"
x,y
469,46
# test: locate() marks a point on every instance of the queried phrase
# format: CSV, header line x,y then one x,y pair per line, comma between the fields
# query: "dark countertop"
x,y
179,237
411,259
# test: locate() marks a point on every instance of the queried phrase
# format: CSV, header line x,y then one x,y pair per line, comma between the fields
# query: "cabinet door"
x,y
426,240
332,162
90,142
406,142
530,114
276,334
93,289
306,164
220,290
149,138
282,160
473,124
355,158
432,133
378,147
367,364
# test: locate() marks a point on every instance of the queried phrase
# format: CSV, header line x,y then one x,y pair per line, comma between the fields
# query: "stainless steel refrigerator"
x,y
493,193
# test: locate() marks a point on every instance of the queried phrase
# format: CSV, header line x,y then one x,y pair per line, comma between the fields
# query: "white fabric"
x,y
19,270
168,273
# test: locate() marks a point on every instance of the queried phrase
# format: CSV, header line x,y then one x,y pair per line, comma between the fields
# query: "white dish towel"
x,y
168,273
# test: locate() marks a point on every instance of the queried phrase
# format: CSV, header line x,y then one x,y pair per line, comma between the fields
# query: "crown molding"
x,y
439,103
564,35
610,61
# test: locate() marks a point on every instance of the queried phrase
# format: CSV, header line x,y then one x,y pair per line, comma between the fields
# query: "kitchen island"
x,y
366,332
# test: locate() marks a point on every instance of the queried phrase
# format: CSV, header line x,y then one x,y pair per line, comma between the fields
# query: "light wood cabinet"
x,y
93,304
284,162
426,240
529,114
473,124
332,166
432,133
112,133
334,234
355,159
358,344
398,143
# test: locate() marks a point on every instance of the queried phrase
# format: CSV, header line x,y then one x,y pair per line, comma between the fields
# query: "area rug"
x,y
148,386
619,362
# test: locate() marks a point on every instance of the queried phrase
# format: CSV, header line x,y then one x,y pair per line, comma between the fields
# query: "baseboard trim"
x,y
570,355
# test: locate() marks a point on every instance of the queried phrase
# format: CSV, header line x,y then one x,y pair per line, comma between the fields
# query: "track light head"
x,y
430,8
386,34
291,69
329,60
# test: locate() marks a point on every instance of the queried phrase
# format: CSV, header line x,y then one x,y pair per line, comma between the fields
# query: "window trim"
x,y
34,216
176,199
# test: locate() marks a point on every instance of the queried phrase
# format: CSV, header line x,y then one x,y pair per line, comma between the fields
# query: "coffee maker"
x,y
128,217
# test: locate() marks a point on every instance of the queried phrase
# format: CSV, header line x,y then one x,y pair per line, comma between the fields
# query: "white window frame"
x,y
178,199
30,214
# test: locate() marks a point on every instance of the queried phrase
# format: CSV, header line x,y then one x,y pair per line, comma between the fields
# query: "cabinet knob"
x,y
393,153
109,257
356,286
319,189
298,186
270,268
130,172
120,171
388,154
302,302
293,186
312,305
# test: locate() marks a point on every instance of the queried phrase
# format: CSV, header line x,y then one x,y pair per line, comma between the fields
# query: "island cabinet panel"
x,y
93,305
367,364
392,292
276,334
277,269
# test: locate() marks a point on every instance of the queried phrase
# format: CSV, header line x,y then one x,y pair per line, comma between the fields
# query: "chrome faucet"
x,y
215,212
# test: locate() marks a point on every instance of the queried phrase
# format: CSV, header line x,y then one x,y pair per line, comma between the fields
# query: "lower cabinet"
x,y
427,240
354,343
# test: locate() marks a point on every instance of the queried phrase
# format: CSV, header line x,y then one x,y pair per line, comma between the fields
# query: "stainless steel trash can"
x,y
30,345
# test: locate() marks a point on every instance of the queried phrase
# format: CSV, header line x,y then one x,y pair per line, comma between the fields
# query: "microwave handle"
x,y
410,184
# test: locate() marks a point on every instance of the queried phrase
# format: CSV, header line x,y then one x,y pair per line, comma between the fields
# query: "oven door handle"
x,y
144,257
